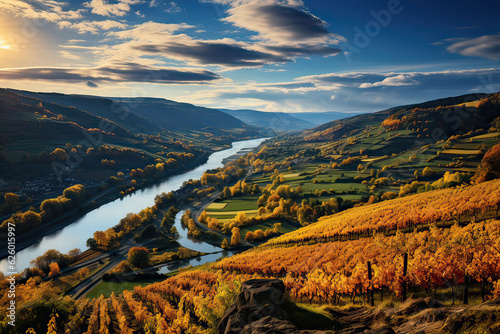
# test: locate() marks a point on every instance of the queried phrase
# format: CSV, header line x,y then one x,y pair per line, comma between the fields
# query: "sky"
x,y
269,55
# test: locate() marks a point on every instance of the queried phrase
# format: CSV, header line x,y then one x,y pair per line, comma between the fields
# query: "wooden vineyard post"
x,y
370,289
405,270
466,288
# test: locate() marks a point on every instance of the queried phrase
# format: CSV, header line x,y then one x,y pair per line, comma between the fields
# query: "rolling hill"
x,y
175,116
121,134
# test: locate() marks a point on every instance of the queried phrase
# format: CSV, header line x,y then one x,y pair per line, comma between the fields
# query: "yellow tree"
x,y
235,236
11,199
54,269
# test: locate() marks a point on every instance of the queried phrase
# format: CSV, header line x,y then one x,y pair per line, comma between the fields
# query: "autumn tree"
x,y
75,193
226,193
427,172
138,257
44,261
54,269
235,236
249,236
224,244
213,223
489,169
74,253
11,199
58,154
122,267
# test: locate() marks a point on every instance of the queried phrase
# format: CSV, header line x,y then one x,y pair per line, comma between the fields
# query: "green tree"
x,y
91,243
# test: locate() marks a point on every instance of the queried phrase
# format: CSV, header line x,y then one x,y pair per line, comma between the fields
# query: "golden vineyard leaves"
x,y
401,213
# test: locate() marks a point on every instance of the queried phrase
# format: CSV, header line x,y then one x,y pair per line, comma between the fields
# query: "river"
x,y
108,215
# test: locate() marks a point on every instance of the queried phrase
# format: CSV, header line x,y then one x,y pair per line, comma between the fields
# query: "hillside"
x,y
326,283
97,106
176,116
47,138
385,222
319,118
449,114
274,120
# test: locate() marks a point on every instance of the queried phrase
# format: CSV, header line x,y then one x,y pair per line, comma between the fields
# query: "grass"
x,y
486,136
285,227
290,176
309,317
235,205
216,206
372,159
461,152
231,213
106,288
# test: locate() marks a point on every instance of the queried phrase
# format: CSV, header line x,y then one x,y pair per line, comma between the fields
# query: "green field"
x,y
106,288
461,152
285,227
240,203
216,206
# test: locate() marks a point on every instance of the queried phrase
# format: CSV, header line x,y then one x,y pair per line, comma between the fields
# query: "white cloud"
x,y
173,8
342,92
92,27
69,55
52,11
487,46
394,81
104,8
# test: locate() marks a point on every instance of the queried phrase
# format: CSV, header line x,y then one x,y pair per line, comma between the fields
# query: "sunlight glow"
x,y
4,46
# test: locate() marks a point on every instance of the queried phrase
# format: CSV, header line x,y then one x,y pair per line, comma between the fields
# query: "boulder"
x,y
258,299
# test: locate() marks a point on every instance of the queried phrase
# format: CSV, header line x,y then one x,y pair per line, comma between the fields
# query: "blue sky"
x,y
270,55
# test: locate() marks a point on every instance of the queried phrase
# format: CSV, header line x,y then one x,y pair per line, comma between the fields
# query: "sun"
x,y
4,45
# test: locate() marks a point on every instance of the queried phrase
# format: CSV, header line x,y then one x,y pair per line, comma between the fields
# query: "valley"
x,y
410,193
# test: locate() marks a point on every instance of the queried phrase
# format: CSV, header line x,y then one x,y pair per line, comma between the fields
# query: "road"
x,y
86,285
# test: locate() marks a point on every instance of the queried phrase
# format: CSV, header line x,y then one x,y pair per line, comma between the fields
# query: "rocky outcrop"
x,y
262,308
259,310
257,305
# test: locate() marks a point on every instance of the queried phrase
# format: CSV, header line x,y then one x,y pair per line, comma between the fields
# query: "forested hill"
x,y
176,116
454,115
38,130
146,115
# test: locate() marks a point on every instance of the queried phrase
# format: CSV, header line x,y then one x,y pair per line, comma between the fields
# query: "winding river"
x,y
108,215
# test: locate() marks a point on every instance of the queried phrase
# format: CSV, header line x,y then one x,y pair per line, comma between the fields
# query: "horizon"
x,y
266,55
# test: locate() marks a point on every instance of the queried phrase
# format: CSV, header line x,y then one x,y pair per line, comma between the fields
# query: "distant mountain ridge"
x,y
282,121
318,118
173,115
278,121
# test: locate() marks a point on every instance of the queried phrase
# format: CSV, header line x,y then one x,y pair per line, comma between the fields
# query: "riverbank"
x,y
73,232
30,238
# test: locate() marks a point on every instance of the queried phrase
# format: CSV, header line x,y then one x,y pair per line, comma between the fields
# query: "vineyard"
x,y
418,261
445,207
190,302
324,272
